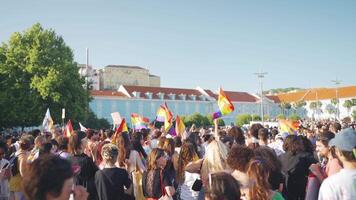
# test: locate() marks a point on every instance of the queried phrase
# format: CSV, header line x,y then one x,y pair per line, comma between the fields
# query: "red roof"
x,y
240,96
274,98
106,93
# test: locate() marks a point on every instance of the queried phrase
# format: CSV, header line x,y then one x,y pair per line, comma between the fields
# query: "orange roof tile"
x,y
318,94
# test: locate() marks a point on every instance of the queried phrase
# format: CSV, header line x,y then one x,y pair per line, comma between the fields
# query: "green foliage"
x,y
256,118
94,123
354,115
281,90
243,119
281,116
315,105
266,117
211,121
197,119
334,101
294,117
37,71
330,108
299,104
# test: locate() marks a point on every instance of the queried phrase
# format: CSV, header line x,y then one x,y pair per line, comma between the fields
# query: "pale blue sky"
x,y
301,43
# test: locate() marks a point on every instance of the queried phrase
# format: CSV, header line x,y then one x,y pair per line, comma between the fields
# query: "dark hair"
x,y
178,141
336,126
239,157
274,132
123,144
270,157
223,187
254,130
292,144
324,137
263,134
136,143
35,133
237,134
46,149
108,133
46,175
306,144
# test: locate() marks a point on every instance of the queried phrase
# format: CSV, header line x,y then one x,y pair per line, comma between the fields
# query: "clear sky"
x,y
304,43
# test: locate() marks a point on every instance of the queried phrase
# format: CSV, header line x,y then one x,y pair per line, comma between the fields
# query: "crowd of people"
x,y
214,163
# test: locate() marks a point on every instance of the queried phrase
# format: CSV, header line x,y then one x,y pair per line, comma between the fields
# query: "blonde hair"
x,y
214,159
109,153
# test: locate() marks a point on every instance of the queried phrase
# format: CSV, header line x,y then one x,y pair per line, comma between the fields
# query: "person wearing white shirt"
x,y
342,185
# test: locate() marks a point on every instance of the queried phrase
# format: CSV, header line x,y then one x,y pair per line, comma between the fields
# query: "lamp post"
x,y
260,76
337,83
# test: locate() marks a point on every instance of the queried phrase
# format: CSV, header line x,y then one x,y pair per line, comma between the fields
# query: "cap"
x,y
345,140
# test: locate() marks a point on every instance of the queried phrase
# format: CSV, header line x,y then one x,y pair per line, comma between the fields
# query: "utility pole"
x,y
337,83
260,76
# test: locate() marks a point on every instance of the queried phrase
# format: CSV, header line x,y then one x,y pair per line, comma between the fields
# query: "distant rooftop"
x,y
125,66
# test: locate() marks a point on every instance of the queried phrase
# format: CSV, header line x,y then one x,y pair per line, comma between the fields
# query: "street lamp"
x,y
337,82
260,76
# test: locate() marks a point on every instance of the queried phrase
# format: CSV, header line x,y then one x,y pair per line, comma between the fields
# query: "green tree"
x,y
37,71
331,109
354,115
256,118
211,121
299,104
94,123
348,104
315,106
294,117
281,116
285,106
243,119
334,101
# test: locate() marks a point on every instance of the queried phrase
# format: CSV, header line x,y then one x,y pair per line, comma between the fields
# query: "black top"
x,y
86,175
151,183
275,179
110,183
296,169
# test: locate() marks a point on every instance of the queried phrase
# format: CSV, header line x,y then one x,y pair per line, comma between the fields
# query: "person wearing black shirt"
x,y
110,181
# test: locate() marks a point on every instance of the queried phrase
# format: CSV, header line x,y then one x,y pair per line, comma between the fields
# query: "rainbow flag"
x,y
161,114
224,104
180,127
139,122
120,129
287,126
69,129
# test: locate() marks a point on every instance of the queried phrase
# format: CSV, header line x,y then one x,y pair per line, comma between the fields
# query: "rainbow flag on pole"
x,y
139,122
164,115
180,127
120,129
225,105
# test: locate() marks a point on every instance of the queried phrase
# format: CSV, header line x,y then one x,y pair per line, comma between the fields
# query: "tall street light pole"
x,y
260,76
337,83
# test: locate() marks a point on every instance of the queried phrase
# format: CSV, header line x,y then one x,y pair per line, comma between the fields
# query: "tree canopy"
x,y
37,71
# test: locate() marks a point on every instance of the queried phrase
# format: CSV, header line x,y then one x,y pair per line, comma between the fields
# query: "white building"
x,y
325,96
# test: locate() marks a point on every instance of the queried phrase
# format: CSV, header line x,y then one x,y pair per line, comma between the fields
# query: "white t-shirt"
x,y
341,185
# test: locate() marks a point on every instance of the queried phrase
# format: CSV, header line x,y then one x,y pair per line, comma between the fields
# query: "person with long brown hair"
x,y
222,186
123,144
155,181
185,179
261,189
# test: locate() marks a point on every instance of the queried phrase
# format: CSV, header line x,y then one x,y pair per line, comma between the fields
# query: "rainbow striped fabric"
x,y
224,104
139,122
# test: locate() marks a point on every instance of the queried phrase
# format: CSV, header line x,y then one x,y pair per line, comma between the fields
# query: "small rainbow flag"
x,y
180,127
120,129
288,126
161,114
225,105
139,122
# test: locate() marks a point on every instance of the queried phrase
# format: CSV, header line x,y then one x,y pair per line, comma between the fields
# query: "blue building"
x,y
146,100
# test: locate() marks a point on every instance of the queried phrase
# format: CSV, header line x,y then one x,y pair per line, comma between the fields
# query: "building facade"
x,y
146,100
112,76
325,96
